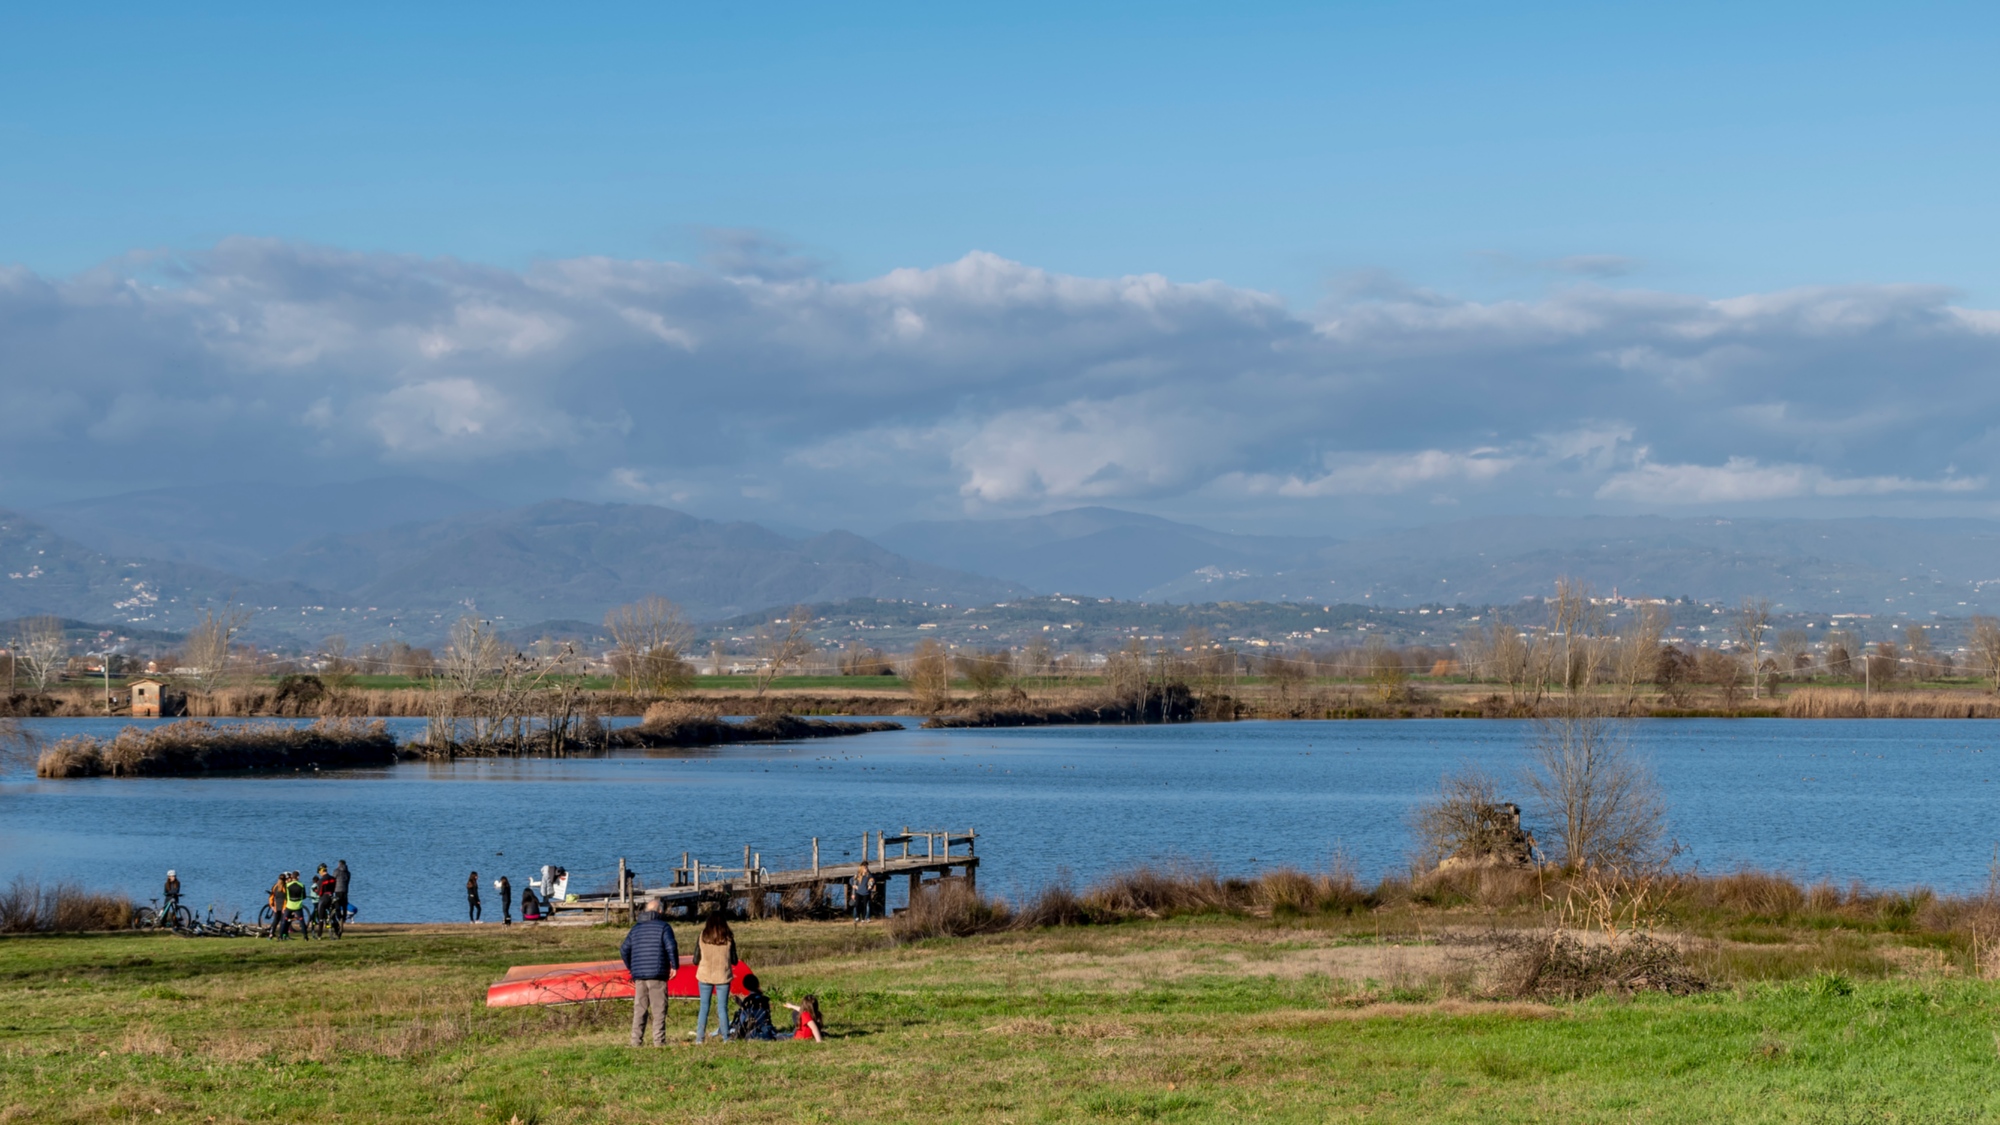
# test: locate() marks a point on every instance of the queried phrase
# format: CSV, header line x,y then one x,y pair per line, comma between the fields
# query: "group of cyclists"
x,y
314,907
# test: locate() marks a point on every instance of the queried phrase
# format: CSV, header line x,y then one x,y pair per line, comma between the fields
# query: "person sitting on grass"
x,y
753,1012
531,907
805,1019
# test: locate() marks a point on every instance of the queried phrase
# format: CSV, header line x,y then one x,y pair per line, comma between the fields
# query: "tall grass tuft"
x,y
194,746
949,909
1838,703
29,906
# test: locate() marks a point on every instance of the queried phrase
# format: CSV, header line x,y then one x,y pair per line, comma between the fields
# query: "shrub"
x,y
29,906
948,909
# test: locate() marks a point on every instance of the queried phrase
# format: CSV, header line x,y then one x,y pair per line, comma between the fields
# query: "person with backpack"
x,y
753,1012
295,902
472,896
653,956
714,968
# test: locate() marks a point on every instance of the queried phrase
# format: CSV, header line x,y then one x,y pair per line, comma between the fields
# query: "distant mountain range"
x,y
405,558
1101,552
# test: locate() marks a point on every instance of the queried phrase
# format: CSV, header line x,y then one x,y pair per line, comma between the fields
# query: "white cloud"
x,y
983,382
1743,479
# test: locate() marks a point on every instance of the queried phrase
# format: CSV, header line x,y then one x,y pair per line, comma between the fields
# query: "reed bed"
x,y
1834,703
29,906
195,746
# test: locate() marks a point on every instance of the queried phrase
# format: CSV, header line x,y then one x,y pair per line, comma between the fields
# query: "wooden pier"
x,y
924,856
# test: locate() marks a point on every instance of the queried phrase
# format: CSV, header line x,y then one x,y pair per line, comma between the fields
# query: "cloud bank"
x,y
754,385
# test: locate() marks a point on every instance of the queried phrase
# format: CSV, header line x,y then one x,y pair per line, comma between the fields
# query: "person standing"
x,y
472,896
295,902
506,891
276,897
714,968
864,893
340,877
652,955
170,893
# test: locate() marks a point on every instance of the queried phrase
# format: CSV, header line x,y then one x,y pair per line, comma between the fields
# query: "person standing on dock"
x,y
652,955
863,893
472,897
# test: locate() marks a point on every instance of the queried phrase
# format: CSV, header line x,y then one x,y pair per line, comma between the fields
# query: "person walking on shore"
x,y
472,896
652,955
714,968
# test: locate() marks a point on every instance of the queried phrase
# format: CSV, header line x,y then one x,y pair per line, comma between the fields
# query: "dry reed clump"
x,y
28,906
1557,964
193,746
675,712
1837,703
1492,886
949,909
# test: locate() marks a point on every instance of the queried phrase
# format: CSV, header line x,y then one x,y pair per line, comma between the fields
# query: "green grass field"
x,y
1208,1019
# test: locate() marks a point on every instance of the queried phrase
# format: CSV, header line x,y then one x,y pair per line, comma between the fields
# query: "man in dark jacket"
x,y
652,955
340,889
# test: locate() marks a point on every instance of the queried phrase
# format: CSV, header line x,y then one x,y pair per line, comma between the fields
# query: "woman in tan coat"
x,y
714,968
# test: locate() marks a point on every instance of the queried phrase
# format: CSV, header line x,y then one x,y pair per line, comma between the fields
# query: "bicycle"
x,y
174,917
324,915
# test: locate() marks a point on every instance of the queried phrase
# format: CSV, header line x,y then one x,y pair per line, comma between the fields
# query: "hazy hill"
x,y
1102,552
568,559
42,572
1846,565
236,527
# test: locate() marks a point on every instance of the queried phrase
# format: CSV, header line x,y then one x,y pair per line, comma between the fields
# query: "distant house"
x,y
152,699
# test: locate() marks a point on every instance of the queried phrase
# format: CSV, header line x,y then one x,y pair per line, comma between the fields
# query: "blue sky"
x,y
1723,147
1551,198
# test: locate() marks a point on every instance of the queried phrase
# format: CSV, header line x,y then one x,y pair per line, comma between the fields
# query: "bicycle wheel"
x,y
145,918
180,918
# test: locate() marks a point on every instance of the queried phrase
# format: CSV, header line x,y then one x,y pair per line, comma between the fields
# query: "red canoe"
x,y
589,980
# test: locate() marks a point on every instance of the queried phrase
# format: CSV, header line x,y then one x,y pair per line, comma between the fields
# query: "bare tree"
x,y
1794,652
1923,662
985,670
336,671
930,674
1037,661
211,645
1467,818
1595,792
781,644
1574,631
1636,656
40,650
650,638
1986,648
1753,619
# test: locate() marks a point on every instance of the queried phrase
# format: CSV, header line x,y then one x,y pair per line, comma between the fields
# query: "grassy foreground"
x,y
1206,1019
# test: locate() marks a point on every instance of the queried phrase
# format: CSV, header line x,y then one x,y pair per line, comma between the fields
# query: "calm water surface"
x,y
1890,802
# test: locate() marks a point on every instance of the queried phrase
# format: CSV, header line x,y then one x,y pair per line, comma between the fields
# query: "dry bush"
x,y
1054,905
1289,891
675,712
1556,964
1758,893
1468,820
29,906
949,909
75,756
1486,885
1154,892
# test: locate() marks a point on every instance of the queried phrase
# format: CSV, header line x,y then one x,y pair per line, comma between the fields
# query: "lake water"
x,y
1890,802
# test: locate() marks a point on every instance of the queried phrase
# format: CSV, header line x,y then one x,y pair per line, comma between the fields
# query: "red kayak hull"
x,y
581,981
